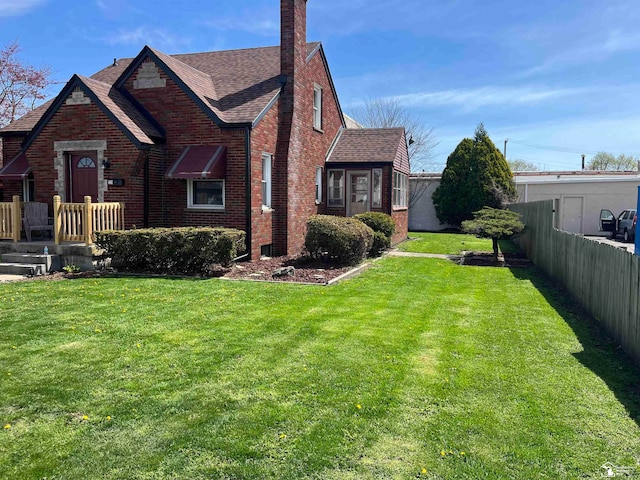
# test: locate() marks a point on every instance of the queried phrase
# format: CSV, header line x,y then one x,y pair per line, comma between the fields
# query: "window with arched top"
x,y
86,162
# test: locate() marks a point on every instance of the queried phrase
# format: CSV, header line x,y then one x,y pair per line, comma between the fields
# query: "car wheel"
x,y
625,236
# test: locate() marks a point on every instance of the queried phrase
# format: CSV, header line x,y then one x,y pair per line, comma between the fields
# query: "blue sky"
x,y
557,78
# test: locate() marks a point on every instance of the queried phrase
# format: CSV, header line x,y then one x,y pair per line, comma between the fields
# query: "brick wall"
x,y
300,148
401,218
186,124
263,140
86,122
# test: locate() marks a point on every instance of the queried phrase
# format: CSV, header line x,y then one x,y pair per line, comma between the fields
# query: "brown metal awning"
x,y
200,161
16,169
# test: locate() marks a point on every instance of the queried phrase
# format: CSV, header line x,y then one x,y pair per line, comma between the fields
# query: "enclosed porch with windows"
x,y
367,170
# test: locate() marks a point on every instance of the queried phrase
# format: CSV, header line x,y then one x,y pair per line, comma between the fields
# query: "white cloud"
x,y
153,37
264,26
616,41
14,8
263,21
474,98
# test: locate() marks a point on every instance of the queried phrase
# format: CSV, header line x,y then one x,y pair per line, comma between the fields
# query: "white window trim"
x,y
318,185
317,107
197,206
266,181
25,189
329,188
400,186
376,172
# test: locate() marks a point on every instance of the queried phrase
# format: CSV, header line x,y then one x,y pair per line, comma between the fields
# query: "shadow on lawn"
x,y
600,354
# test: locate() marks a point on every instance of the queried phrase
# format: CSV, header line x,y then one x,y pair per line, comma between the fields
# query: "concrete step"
x,y
22,268
51,262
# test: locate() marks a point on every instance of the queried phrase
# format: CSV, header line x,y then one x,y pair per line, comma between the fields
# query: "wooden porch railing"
x,y
11,219
77,222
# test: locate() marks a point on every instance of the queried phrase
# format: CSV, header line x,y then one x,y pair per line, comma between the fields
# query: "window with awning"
x,y
17,169
199,162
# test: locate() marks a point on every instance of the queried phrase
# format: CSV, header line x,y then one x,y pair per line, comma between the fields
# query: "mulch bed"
x,y
485,259
305,270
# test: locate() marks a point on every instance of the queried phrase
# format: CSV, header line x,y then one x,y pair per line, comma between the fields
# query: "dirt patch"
x,y
485,259
296,269
305,270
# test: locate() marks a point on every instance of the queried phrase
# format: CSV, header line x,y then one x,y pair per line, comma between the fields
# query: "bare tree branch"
x,y
21,85
387,113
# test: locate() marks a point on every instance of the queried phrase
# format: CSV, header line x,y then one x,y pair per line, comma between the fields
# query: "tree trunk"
x,y
495,249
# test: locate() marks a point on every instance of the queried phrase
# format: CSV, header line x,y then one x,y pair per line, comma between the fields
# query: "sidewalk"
x,y
4,278
397,253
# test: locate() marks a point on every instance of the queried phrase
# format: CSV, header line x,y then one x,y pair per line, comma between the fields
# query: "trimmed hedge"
x,y
383,226
183,250
344,241
381,243
379,222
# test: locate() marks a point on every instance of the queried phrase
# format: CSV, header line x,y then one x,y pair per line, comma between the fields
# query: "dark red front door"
x,y
84,176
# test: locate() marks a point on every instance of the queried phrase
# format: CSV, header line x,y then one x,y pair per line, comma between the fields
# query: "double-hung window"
x,y
266,180
318,184
317,107
335,185
376,190
399,190
205,194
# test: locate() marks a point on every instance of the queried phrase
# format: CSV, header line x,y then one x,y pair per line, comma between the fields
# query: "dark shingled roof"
x,y
372,145
128,115
237,85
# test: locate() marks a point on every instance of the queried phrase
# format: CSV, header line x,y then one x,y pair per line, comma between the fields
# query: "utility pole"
x,y
583,155
505,148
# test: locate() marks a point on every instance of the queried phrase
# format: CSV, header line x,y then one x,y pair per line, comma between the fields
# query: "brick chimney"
x,y
293,40
290,144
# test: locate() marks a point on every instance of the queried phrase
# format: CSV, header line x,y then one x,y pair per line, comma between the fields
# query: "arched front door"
x,y
83,168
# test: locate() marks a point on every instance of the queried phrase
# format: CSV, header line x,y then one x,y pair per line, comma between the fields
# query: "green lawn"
x,y
450,243
416,364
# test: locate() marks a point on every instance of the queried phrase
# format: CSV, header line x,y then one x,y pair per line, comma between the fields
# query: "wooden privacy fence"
x,y
605,279
77,222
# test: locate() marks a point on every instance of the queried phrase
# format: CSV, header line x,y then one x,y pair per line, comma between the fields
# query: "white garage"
x,y
578,197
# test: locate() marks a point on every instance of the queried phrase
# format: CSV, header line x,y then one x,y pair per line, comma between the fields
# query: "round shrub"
x,y
380,244
379,222
344,241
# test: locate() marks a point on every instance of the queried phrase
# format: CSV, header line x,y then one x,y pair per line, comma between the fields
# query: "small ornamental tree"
x,y
495,224
21,85
477,175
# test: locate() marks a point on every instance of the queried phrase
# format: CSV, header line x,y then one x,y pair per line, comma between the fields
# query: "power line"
x,y
566,149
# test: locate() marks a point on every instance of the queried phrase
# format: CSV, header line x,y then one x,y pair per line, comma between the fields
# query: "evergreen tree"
x,y
477,175
494,224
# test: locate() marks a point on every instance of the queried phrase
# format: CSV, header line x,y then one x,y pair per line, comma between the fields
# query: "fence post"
x,y
88,220
57,221
17,219
121,219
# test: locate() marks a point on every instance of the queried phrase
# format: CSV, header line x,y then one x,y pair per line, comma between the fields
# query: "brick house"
x,y
253,139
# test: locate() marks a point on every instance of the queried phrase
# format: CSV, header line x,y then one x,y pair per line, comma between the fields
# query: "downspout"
x,y
145,220
248,189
